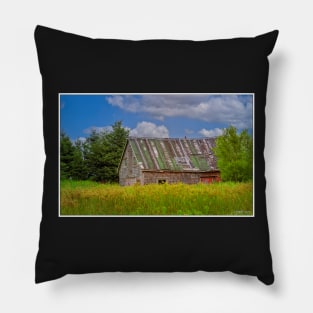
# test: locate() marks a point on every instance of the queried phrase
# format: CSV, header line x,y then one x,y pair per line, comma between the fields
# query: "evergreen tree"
x,y
78,166
94,153
103,152
234,153
97,158
116,141
66,156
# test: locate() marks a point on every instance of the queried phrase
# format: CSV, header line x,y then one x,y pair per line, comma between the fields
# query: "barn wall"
x,y
150,177
129,173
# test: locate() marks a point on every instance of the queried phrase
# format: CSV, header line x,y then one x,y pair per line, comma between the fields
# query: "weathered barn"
x,y
171,160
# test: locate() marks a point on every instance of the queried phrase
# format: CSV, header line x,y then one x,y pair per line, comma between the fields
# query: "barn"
x,y
168,160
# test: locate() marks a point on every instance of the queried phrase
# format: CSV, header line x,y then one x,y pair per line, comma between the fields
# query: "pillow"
x,y
136,176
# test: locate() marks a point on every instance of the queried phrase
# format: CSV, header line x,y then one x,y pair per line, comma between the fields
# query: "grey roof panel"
x,y
174,154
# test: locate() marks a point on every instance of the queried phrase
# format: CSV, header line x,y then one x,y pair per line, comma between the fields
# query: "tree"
x,y
116,141
103,153
66,156
72,165
234,153
78,165
93,155
97,158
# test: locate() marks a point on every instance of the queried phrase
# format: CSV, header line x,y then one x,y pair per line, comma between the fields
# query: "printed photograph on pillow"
x,y
144,154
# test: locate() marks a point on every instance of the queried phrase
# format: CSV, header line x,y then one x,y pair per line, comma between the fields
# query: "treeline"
x,y
96,158
234,153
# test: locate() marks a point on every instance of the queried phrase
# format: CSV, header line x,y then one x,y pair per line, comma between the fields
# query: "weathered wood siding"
x,y
130,172
154,177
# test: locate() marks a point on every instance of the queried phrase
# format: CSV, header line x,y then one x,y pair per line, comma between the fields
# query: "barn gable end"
x,y
129,169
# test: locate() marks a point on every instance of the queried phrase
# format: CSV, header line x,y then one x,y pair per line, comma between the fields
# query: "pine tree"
x,y
97,158
116,141
104,151
78,166
94,154
66,156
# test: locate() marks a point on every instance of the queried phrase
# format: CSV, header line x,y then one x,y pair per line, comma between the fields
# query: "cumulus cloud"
x,y
229,109
211,132
147,129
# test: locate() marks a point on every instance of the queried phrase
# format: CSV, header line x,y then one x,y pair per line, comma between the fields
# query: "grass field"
x,y
90,198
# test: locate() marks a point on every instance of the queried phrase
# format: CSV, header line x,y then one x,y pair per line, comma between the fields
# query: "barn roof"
x,y
174,154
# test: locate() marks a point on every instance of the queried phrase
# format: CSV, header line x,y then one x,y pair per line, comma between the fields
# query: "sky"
x,y
156,115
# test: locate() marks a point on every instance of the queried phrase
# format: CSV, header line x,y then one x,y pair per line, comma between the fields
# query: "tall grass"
x,y
90,198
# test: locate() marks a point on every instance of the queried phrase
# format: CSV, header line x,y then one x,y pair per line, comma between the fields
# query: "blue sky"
x,y
156,115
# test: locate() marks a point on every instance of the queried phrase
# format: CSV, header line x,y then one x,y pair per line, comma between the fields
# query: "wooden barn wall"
x,y
129,173
176,177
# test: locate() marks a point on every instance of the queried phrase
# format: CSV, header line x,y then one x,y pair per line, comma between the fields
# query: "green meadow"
x,y
91,198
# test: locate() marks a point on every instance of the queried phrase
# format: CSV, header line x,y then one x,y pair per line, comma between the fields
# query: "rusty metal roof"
x,y
174,154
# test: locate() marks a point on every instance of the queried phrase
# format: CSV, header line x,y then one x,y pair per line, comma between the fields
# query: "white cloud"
x,y
147,129
211,132
229,109
97,129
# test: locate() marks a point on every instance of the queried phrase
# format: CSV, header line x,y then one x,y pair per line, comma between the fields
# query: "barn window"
x,y
162,181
